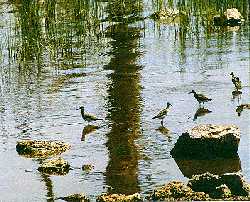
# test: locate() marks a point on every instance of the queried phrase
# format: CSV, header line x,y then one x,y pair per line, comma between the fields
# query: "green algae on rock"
x,y
56,166
176,190
224,186
75,198
119,198
40,148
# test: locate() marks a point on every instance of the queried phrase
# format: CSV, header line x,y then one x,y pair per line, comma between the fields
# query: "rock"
x,y
87,167
119,198
75,198
236,184
40,149
177,191
208,141
221,191
56,166
220,186
206,182
231,17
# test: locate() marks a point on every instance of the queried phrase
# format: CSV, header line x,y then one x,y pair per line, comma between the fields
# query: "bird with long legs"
x,y
88,117
163,113
236,81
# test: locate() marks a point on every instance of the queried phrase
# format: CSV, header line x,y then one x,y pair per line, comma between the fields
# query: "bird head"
x,y
168,104
191,92
232,74
81,107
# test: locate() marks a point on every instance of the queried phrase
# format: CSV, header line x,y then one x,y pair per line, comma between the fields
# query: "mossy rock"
x,y
119,198
56,166
176,190
40,148
75,198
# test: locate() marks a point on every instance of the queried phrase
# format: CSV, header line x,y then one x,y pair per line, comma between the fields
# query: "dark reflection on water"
x,y
217,166
123,110
201,111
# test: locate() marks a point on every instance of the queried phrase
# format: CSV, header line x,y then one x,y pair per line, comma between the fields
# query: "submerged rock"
x,y
208,141
75,198
222,186
177,191
56,166
40,149
119,198
87,167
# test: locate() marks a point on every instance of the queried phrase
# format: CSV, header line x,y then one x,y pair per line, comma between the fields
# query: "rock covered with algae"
x,y
80,197
226,186
176,190
40,148
119,198
57,166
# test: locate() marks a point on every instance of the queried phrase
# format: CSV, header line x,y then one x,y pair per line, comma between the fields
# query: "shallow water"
x,y
56,57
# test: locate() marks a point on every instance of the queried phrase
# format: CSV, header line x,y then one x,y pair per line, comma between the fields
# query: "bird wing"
x,y
161,113
90,116
203,97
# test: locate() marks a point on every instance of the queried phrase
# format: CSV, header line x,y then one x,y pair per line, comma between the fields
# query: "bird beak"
x,y
190,92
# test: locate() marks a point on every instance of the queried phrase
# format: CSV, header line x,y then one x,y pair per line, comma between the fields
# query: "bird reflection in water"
x,y
201,111
240,108
88,129
165,131
236,95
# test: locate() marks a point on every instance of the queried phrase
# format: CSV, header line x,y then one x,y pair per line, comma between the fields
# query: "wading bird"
x,y
163,113
236,81
200,97
88,117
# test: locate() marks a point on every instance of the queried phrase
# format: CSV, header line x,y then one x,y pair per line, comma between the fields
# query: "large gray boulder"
x,y
208,141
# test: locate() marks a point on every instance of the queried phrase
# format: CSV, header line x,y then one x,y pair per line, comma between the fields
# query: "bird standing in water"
x,y
88,117
163,113
236,81
200,97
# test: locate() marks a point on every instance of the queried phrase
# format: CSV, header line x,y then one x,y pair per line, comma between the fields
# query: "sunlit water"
x,y
125,77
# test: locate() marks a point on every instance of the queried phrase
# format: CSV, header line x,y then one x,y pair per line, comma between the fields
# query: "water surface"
x,y
124,67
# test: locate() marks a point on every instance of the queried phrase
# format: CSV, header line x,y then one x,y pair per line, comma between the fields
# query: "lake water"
x,y
123,67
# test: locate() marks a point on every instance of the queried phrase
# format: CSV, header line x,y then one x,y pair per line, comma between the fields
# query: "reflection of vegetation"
x,y
124,110
58,33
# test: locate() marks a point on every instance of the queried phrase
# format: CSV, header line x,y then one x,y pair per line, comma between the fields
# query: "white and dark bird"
x,y
163,113
88,117
200,97
236,81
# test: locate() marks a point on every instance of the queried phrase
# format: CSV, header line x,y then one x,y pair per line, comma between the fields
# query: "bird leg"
x,y
162,122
